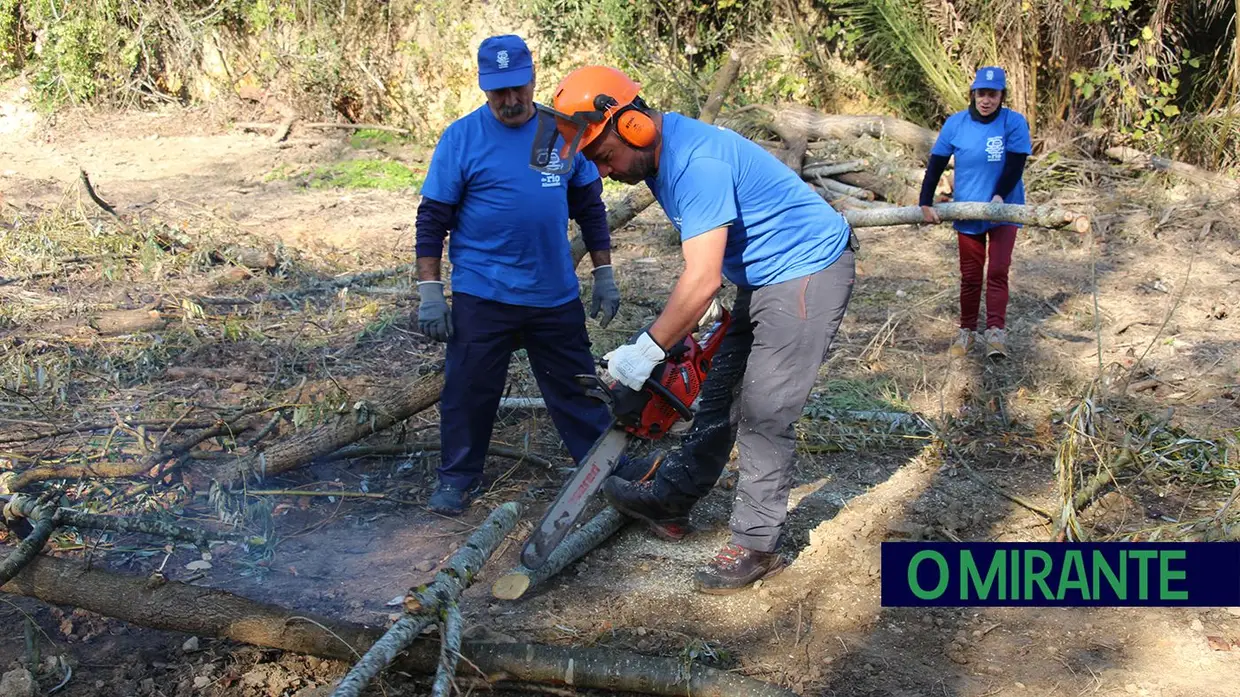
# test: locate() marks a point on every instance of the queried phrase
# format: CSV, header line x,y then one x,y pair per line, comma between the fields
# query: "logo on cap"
x,y
502,59
990,74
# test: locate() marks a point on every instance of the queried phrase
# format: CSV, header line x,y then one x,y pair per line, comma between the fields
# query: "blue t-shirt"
x,y
979,148
509,241
778,228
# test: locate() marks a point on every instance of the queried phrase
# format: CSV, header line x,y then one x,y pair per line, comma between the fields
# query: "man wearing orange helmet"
x,y
513,281
743,215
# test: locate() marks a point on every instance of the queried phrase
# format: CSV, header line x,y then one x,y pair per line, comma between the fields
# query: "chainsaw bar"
x,y
564,513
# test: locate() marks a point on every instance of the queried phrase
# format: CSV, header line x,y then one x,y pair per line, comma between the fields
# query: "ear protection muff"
x,y
631,122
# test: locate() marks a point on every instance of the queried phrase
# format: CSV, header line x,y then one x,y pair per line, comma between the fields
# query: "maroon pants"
x,y
972,260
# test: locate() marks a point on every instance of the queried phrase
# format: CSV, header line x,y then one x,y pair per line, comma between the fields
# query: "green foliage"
x,y
842,394
915,61
388,175
670,48
1161,74
371,138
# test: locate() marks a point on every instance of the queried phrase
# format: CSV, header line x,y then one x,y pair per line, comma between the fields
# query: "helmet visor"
x,y
557,138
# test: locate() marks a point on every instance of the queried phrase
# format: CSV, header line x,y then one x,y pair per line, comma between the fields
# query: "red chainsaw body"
x,y
682,374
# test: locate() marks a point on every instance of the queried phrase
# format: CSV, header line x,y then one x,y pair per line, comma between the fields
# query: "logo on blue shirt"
x,y
994,148
552,180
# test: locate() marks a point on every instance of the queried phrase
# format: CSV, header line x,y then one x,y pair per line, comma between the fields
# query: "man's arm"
x,y
585,205
697,285
433,221
601,257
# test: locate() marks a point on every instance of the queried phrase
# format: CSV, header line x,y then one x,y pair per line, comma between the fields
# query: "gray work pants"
x,y
755,392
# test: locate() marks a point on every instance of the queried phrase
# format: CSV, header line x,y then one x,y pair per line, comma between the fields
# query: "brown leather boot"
x,y
735,567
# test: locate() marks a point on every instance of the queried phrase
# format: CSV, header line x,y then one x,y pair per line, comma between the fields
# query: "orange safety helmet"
x,y
585,102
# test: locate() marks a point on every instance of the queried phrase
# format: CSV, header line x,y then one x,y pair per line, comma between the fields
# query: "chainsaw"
x,y
662,405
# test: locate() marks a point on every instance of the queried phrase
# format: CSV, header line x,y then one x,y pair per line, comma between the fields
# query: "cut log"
x,y
518,581
1046,216
793,122
118,322
845,189
1132,156
181,607
247,257
830,169
888,188
425,603
380,412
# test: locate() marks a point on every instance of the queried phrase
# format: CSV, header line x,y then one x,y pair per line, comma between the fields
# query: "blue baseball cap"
x,y
504,61
990,78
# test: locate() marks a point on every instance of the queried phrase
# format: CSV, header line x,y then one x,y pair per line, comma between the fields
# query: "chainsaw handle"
x,y
665,394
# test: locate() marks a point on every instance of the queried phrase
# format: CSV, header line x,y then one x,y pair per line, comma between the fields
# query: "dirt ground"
x,y
1166,271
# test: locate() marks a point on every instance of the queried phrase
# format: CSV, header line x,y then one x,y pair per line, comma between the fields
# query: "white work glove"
x,y
632,363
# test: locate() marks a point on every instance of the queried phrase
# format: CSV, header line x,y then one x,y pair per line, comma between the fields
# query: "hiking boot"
x,y
641,500
996,343
963,343
735,567
451,500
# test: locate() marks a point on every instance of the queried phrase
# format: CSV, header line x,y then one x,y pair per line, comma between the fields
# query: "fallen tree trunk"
x,y
345,429
1132,156
211,613
1043,216
515,583
793,122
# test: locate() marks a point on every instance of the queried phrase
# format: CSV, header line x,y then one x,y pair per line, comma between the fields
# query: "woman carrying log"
x,y
990,143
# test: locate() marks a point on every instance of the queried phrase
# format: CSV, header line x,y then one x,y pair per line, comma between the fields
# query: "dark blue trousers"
x,y
485,333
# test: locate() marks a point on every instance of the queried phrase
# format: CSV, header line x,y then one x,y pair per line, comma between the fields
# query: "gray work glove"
x,y
605,296
434,319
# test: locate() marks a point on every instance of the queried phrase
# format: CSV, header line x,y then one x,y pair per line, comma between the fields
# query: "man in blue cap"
x,y
513,278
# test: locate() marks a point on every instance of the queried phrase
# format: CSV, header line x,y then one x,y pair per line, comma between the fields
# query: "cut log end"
x,y
1081,224
510,586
